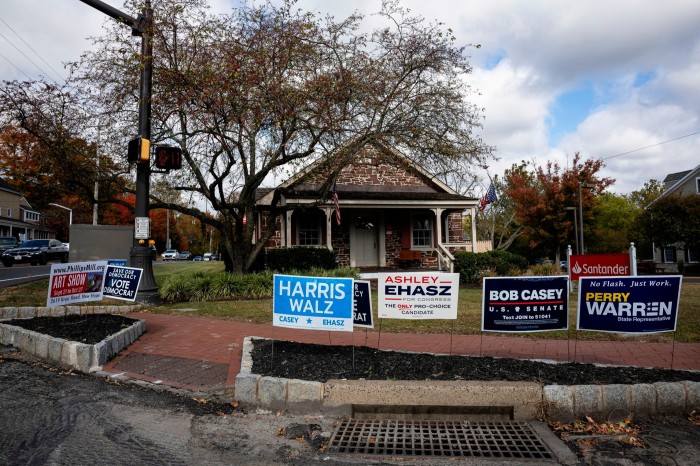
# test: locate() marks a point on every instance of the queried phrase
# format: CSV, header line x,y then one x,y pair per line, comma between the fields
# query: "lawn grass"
x,y
468,315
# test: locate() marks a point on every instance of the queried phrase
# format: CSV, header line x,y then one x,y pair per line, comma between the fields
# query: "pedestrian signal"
x,y
168,158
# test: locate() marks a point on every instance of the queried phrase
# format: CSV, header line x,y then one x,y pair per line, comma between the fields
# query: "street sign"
x,y
142,229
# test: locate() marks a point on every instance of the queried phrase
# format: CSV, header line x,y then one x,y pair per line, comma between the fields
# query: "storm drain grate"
x,y
439,439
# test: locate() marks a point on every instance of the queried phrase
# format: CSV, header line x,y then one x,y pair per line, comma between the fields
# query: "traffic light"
x,y
139,150
168,158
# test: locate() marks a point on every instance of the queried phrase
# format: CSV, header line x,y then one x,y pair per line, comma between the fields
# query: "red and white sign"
x,y
419,295
599,265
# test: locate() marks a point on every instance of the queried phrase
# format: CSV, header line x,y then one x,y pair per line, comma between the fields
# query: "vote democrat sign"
x,y
421,295
362,310
525,304
313,303
629,304
121,282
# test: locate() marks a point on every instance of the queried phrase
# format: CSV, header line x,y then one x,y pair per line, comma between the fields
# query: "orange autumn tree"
x,y
541,195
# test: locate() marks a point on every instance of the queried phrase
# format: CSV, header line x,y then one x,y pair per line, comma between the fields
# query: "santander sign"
x,y
599,265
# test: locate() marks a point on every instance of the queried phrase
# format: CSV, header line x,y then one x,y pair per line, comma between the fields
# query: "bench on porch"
x,y
408,258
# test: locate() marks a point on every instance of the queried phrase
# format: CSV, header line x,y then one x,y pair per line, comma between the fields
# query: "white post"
x,y
568,267
633,260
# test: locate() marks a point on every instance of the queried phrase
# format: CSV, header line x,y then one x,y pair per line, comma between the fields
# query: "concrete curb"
x,y
527,401
80,356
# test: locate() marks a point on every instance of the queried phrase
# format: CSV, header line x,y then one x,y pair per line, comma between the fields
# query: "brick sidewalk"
x,y
203,354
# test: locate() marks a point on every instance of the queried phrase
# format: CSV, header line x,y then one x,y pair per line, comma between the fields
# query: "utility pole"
x,y
140,256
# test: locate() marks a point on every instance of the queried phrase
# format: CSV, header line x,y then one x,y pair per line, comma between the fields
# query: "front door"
x,y
365,245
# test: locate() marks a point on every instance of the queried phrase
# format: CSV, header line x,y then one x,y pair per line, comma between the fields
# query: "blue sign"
x,y
121,282
119,262
362,311
313,303
642,304
525,304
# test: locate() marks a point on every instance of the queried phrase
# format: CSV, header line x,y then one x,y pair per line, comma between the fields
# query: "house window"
x,y
669,254
691,255
421,231
697,185
9,212
309,231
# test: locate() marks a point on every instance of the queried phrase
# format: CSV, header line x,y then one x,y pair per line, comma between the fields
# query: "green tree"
x,y
612,221
268,89
673,220
541,196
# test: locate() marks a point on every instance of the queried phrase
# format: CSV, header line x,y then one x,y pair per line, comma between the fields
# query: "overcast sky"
x,y
612,79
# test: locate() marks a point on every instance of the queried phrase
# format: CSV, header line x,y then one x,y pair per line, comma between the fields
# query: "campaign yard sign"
x,y
75,282
629,304
525,304
121,282
362,305
313,303
418,295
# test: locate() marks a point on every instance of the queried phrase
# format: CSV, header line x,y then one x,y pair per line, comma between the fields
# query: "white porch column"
x,y
472,212
287,229
438,221
329,215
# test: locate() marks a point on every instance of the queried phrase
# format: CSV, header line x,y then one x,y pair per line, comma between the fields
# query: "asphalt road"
x,y
23,273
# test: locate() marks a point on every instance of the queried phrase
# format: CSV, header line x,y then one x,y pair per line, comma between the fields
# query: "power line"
x,y
18,68
30,48
653,145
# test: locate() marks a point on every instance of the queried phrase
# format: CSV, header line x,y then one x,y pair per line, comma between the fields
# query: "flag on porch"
x,y
337,206
488,198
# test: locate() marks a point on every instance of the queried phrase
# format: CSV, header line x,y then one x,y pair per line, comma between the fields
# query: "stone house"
x,y
685,183
392,213
17,217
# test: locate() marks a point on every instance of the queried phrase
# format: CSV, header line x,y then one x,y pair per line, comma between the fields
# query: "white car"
x,y
170,255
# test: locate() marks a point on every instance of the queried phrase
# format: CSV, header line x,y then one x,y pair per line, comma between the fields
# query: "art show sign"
x,y
75,282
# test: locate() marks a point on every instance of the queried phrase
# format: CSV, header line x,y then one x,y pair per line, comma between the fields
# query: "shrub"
x,y
225,286
285,260
544,270
472,267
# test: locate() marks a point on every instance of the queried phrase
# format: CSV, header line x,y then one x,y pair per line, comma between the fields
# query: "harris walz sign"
x,y
629,304
525,304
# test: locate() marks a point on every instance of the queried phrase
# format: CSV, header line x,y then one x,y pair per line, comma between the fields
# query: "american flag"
x,y
488,198
337,206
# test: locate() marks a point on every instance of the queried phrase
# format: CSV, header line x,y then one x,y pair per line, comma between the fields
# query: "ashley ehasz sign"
x,y
629,304
420,295
525,304
313,303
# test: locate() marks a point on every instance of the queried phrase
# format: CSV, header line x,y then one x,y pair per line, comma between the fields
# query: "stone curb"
x,y
79,356
562,402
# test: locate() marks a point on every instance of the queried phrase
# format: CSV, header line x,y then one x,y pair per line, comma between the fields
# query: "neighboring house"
x,y
17,217
392,213
685,183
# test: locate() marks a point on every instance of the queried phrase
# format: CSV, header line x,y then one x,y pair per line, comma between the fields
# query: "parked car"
x,y
35,251
184,256
8,242
214,257
197,258
170,255
207,256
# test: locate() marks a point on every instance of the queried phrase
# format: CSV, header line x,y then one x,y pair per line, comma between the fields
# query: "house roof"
x,y
678,180
5,186
431,192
